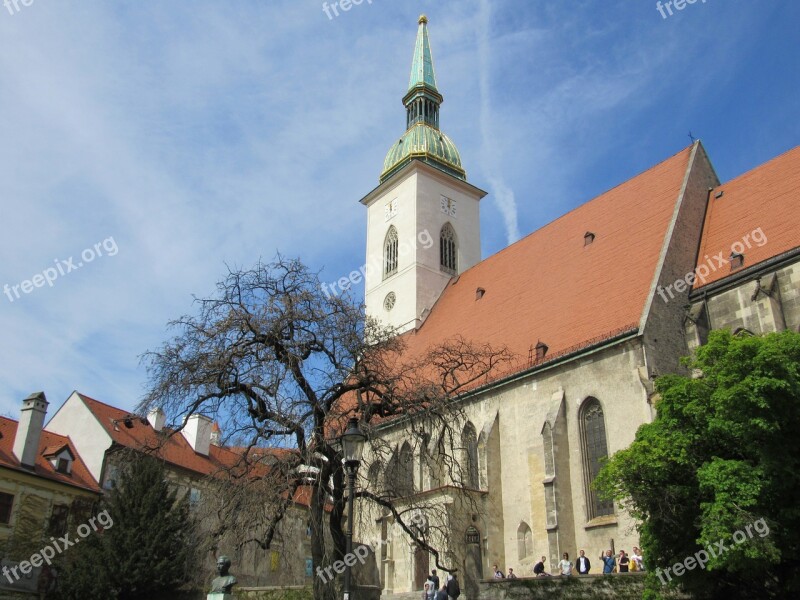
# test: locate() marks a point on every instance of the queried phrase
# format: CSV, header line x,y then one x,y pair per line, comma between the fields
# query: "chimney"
x,y
216,434
197,432
157,418
29,429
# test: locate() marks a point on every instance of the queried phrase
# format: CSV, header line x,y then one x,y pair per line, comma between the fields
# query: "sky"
x,y
147,146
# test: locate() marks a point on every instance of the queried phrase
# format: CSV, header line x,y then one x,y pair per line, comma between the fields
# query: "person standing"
x,y
511,574
453,589
636,557
583,564
608,562
624,562
442,593
428,593
435,579
498,574
565,565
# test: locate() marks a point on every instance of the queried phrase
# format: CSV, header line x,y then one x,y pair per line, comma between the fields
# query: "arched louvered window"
x,y
595,449
448,249
390,252
524,541
469,461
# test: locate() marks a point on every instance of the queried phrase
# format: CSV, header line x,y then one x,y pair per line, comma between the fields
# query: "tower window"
x,y
388,302
390,253
448,249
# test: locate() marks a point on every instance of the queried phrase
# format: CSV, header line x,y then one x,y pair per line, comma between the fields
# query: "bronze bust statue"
x,y
223,582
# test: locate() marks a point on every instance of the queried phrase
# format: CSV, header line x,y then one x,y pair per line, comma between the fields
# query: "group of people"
x,y
449,590
621,563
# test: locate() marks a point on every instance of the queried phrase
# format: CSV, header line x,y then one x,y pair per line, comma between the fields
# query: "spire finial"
x,y
423,19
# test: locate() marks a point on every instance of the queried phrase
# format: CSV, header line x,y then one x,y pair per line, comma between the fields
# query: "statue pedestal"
x,y
219,596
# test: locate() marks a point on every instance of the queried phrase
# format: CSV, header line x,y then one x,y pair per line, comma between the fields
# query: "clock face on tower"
x,y
448,206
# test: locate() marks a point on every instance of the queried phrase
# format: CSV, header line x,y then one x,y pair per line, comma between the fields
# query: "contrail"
x,y
503,195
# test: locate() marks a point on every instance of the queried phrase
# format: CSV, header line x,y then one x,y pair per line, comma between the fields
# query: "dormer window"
x,y
737,260
588,238
61,458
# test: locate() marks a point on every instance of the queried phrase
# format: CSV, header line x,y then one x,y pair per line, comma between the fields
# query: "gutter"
x,y
733,280
509,379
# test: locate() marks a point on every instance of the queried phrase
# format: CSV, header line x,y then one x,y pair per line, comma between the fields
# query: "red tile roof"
x,y
79,477
551,288
768,197
174,449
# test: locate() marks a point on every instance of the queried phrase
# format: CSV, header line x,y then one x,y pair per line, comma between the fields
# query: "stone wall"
x,y
628,586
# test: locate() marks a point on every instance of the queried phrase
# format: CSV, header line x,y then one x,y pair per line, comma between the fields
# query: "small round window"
x,y
388,302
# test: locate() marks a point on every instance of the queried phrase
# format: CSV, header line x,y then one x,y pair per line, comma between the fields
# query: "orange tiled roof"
x,y
79,477
549,287
768,197
176,450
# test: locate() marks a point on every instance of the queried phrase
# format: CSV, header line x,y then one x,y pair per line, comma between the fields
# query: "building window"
x,y
524,541
595,449
6,504
390,253
58,520
63,466
448,249
374,476
469,463
389,301
194,497
547,443
405,471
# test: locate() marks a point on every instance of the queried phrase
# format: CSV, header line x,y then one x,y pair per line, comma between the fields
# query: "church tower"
x,y
423,221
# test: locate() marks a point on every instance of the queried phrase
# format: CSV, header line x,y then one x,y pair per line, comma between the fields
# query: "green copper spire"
x,y
422,74
423,140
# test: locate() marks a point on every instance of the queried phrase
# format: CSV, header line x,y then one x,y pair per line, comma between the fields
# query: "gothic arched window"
x,y
404,473
448,249
374,476
524,541
595,449
469,461
390,252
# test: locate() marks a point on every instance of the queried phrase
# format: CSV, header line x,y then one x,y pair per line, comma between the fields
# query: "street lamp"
x,y
352,447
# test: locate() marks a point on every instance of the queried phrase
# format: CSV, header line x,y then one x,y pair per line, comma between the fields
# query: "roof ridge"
x,y
106,404
569,212
758,167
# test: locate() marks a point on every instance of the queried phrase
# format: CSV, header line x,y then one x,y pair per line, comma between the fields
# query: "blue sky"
x,y
198,134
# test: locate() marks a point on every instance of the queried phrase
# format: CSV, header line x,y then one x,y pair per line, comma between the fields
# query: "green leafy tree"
x,y
145,553
716,473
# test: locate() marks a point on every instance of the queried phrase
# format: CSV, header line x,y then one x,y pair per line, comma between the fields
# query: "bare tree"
x,y
283,364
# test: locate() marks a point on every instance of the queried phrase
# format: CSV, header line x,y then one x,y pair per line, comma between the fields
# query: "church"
x,y
595,305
